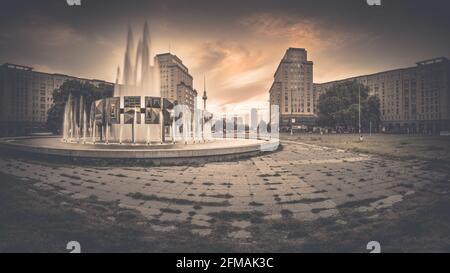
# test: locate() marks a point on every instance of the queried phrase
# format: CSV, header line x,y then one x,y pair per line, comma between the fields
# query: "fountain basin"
x,y
166,153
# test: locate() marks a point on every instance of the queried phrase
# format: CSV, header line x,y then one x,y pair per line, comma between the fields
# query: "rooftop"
x,y
421,63
31,69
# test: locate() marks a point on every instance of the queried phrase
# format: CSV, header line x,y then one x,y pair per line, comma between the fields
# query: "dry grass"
x,y
429,148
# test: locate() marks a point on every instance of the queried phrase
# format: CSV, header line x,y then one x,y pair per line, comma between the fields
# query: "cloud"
x,y
48,33
237,46
229,55
330,47
309,33
211,56
242,70
249,77
234,72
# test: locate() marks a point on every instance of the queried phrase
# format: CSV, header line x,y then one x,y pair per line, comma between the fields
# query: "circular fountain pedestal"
x,y
166,153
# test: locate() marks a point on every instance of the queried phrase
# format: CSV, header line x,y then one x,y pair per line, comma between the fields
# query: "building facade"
x,y
26,96
292,90
176,82
412,100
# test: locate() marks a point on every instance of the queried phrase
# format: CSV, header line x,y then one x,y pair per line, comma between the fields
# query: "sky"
x,y
235,44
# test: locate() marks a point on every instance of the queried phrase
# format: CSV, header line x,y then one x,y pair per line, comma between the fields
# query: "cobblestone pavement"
x,y
305,182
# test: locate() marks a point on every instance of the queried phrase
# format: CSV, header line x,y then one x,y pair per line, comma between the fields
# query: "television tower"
x,y
204,93
204,107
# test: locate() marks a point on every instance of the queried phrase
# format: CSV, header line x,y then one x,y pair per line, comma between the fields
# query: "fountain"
x,y
134,122
137,111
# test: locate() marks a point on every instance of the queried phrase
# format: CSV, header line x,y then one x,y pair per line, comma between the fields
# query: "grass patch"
x,y
252,216
303,201
317,210
117,175
360,203
221,196
269,175
76,177
285,213
152,197
255,204
169,210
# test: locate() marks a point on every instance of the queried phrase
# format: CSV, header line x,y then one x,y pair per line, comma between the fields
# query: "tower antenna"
x,y
204,92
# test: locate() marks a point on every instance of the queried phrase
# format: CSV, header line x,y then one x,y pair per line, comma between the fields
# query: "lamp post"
x,y
292,110
204,108
359,112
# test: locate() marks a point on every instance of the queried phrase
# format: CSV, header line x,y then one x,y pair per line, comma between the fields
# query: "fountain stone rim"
x,y
197,152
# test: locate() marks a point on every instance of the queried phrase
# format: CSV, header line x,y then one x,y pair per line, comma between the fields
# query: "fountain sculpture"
x,y
136,113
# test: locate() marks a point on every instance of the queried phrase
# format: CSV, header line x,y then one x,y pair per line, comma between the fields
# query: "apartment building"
x,y
176,82
26,96
292,90
412,100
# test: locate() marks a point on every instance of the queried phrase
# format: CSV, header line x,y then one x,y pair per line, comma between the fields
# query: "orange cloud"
x,y
307,33
234,72
242,70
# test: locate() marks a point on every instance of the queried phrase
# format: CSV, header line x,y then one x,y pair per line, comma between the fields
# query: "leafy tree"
x,y
338,107
90,93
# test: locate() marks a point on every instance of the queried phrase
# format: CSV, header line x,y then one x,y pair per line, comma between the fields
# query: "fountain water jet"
x,y
118,120
84,124
137,91
66,124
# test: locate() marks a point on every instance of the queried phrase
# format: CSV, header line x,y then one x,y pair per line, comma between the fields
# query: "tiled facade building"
x,y
412,100
176,82
26,96
292,89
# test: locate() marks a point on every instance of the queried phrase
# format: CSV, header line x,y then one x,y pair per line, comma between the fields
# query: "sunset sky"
x,y
237,44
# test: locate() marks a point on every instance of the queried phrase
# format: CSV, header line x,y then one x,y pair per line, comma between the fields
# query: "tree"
x,y
372,112
338,107
90,93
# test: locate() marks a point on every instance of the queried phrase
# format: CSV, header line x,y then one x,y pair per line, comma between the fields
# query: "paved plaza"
x,y
302,182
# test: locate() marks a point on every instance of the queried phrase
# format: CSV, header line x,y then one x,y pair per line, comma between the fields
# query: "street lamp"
x,y
359,112
204,108
292,110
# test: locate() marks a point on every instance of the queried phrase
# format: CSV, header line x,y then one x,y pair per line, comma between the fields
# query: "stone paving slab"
x,y
305,182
